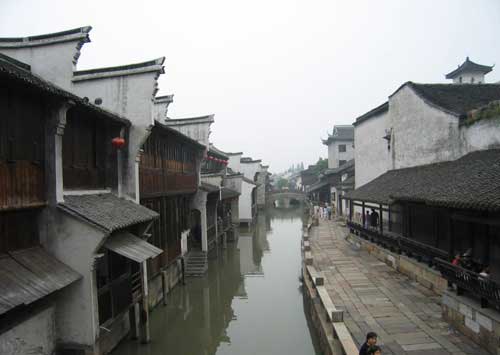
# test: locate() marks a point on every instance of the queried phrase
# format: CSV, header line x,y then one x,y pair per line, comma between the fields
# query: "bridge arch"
x,y
286,196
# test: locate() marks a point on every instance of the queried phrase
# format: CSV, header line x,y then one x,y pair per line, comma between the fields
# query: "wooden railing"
x,y
477,285
398,243
420,249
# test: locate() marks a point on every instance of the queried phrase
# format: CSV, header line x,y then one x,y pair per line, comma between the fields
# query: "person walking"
x,y
367,219
371,340
329,211
374,218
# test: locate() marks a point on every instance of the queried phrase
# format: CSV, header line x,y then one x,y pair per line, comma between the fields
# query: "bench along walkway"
x,y
375,297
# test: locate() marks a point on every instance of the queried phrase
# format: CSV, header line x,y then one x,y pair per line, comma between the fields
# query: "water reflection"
x,y
249,302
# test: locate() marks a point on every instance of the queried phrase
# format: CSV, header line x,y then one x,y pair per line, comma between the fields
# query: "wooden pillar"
x,y
381,219
351,210
389,217
144,306
363,214
134,334
451,241
164,286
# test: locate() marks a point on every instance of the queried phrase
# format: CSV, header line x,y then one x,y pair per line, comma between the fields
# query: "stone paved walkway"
x,y
375,297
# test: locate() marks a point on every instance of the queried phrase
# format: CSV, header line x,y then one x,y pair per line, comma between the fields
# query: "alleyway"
x,y
375,297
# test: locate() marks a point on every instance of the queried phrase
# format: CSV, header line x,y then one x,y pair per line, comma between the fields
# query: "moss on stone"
x,y
490,111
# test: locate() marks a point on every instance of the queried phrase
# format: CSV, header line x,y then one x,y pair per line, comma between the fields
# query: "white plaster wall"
x,y
213,180
334,156
197,131
422,134
199,202
245,202
234,162
250,169
36,335
467,78
52,62
261,189
371,156
233,182
74,243
484,134
160,110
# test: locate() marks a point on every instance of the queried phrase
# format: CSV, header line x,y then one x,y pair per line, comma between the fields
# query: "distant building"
x,y
469,73
340,145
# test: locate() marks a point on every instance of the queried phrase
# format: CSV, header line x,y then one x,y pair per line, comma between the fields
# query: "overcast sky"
x,y
277,74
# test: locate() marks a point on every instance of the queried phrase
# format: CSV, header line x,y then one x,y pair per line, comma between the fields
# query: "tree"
x,y
282,182
320,166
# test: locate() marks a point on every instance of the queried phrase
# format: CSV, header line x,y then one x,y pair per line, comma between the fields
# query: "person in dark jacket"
x,y
374,217
374,350
371,340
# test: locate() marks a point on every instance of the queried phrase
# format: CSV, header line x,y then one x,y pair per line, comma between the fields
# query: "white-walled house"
x,y
469,73
340,145
428,162
423,124
372,152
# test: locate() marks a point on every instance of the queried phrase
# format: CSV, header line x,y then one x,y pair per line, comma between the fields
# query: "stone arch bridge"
x,y
285,196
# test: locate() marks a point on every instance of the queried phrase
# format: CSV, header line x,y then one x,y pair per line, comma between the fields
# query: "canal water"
x,y
250,302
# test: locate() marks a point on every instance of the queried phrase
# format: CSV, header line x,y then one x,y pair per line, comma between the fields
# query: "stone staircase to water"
x,y
196,263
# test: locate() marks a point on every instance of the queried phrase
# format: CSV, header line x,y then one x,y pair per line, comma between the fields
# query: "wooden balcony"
x,y
154,182
22,185
478,286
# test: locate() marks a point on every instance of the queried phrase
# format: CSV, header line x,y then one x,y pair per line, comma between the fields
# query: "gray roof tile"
x,y
107,210
471,182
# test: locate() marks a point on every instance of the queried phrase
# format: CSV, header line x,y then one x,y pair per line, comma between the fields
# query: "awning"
x,y
227,193
29,275
132,247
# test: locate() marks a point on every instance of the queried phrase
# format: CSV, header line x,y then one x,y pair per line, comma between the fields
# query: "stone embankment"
x,y
351,292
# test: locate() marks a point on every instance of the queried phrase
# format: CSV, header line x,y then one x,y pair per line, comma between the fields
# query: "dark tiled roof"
x,y
209,187
471,182
346,166
21,72
149,63
247,160
213,150
318,186
30,274
165,98
457,99
107,210
372,113
80,30
229,193
340,133
467,67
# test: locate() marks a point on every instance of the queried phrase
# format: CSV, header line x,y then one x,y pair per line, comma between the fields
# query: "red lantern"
x,y
118,142
210,157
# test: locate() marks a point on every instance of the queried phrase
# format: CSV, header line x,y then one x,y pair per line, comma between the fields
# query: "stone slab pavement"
x,y
405,315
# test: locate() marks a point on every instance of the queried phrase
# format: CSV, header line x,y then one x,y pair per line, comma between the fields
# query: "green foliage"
x,y
320,166
282,182
492,110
